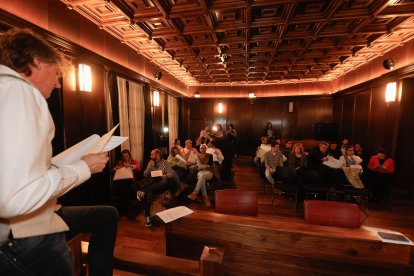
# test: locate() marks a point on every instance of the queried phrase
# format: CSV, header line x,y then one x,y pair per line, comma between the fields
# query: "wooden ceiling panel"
x,y
206,42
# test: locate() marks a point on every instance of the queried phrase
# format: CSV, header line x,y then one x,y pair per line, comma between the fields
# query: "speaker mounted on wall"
x,y
158,75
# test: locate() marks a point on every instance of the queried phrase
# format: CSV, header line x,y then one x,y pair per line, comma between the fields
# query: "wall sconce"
x,y
165,129
197,95
220,108
156,98
391,92
252,95
85,78
290,107
214,128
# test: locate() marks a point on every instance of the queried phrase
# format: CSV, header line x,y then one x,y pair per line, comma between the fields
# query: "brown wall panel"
x,y
347,117
250,117
376,128
361,117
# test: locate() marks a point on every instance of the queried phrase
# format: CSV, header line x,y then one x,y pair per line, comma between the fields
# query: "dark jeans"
x,y
39,255
101,222
155,188
123,194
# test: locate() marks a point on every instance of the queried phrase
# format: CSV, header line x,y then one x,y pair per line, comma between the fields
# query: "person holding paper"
x,y
32,238
123,180
177,162
157,174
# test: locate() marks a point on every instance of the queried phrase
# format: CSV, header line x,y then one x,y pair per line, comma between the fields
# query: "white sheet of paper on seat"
x,y
174,213
156,173
123,173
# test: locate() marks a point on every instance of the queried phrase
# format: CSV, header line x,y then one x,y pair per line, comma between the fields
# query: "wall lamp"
x,y
391,92
156,98
197,95
85,78
220,108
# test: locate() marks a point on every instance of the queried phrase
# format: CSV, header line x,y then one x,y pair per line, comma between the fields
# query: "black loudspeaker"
x,y
327,131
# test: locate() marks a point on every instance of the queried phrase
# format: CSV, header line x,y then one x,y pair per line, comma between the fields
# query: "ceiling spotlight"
x,y
197,95
389,64
158,75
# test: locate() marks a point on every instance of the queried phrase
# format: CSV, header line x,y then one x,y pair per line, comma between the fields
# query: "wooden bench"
x,y
147,263
284,246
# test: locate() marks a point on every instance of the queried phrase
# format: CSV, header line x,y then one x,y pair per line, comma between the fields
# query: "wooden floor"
x,y
133,234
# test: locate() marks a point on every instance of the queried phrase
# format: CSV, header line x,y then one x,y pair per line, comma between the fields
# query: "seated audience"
x,y
334,151
287,147
205,133
205,172
261,150
217,154
297,158
219,132
349,158
177,143
316,157
157,184
198,143
344,144
122,189
177,162
381,168
272,159
360,151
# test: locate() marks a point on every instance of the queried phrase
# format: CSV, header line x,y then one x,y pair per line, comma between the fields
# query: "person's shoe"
x,y
192,196
140,195
206,201
148,222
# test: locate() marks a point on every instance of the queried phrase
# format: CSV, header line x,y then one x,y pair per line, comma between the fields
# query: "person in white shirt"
x,y
32,239
349,158
189,153
261,150
217,154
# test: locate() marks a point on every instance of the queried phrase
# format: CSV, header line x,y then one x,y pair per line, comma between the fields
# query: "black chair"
x,y
286,182
314,185
355,195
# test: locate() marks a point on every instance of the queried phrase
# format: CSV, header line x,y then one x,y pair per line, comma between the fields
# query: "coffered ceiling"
x,y
218,42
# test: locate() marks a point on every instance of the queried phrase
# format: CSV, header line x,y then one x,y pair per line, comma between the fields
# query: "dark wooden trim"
x,y
73,50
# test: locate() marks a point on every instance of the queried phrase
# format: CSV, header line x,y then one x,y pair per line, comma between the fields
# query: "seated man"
x,y
261,150
156,185
272,159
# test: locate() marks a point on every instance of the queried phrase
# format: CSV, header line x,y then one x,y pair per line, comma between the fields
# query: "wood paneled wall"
x,y
249,117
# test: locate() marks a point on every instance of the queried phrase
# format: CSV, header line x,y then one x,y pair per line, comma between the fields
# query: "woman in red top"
x,y
381,169
122,190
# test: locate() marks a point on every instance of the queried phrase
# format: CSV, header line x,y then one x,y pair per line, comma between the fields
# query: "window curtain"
x,y
172,119
136,121
123,111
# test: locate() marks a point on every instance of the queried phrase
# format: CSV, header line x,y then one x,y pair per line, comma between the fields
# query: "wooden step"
x,y
134,260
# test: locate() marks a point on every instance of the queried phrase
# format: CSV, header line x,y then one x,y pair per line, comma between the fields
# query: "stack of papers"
x,y
174,213
390,236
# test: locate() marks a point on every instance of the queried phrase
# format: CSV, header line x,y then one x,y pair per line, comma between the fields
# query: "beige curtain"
x,y
136,121
123,111
172,119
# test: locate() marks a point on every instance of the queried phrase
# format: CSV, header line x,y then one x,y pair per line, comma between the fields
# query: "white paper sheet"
x,y
174,213
393,237
123,173
156,173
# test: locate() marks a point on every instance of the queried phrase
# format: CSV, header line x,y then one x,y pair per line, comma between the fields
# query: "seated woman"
x,y
381,168
122,186
297,158
177,143
177,162
205,172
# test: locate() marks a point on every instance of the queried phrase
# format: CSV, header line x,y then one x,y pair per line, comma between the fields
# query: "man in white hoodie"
x,y
32,239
